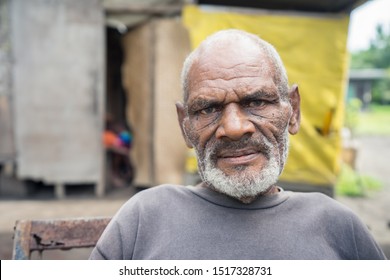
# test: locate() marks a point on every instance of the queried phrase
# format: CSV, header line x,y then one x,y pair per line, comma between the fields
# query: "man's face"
x,y
237,121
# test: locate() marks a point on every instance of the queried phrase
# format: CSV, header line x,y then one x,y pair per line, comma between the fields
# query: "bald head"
x,y
228,47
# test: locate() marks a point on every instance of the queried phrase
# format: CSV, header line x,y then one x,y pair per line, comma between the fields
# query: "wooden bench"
x,y
65,234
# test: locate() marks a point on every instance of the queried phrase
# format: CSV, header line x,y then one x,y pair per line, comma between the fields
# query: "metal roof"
x,y
319,6
123,14
368,74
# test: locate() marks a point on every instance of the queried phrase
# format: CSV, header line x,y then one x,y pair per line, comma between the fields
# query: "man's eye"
x,y
256,103
208,110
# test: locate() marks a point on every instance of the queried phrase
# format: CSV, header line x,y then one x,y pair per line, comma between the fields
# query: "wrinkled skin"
x,y
234,107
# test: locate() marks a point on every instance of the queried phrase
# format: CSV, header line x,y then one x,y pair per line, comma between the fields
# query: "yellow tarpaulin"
x,y
313,49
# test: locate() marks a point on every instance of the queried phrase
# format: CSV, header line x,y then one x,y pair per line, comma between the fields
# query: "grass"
x,y
374,121
351,183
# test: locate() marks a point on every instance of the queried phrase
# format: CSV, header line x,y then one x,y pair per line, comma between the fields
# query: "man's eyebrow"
x,y
202,103
258,95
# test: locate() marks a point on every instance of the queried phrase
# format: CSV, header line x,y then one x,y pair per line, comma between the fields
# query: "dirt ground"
x,y
374,209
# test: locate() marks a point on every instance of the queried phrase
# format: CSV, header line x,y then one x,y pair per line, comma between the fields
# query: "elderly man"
x,y
237,112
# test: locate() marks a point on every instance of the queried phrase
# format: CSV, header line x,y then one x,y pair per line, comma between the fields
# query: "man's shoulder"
x,y
320,202
160,194
162,190
312,197
153,200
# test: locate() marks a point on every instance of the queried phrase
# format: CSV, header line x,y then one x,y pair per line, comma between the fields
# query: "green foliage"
x,y
374,121
377,55
352,114
351,183
381,92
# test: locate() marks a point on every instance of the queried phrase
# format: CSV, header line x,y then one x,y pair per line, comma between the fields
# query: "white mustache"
x,y
217,148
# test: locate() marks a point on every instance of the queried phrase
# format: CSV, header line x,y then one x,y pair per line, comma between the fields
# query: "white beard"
x,y
246,184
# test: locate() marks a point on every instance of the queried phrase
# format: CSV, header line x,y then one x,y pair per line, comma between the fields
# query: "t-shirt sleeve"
x,y
118,239
366,247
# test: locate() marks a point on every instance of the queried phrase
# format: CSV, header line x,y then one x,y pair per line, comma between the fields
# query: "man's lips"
x,y
238,157
236,153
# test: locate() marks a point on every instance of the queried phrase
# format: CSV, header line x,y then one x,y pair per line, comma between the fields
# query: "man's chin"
x,y
243,186
244,179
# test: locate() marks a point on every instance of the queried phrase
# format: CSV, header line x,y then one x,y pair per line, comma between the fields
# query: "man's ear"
x,y
295,102
183,121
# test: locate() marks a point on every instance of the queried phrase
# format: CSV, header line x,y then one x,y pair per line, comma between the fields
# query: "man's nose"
x,y
234,123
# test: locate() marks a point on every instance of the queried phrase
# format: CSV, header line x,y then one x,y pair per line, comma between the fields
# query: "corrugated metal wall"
x,y
58,83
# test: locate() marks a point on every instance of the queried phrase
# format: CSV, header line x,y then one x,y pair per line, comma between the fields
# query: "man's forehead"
x,y
266,87
230,56
229,50
209,77
212,70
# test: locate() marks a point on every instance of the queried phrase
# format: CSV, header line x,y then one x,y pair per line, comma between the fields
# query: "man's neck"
x,y
247,200
272,190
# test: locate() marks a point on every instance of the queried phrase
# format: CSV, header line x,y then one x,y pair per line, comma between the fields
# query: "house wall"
x,y
7,149
58,82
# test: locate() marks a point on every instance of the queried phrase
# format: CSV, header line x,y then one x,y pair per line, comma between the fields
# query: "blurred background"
x,y
87,94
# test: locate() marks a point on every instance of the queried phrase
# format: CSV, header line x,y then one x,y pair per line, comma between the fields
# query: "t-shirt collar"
x,y
220,199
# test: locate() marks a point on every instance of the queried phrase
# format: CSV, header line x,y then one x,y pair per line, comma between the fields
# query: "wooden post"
x,y
59,189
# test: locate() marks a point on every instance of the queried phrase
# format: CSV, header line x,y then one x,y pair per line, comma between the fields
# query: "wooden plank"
x,y
136,76
172,47
154,54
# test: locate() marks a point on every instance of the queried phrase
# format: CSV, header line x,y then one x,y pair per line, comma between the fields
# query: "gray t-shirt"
x,y
176,222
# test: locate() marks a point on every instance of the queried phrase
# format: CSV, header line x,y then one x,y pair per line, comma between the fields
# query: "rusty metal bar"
x,y
21,249
39,235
